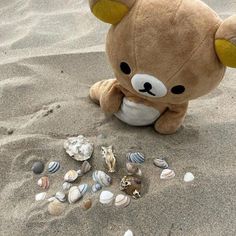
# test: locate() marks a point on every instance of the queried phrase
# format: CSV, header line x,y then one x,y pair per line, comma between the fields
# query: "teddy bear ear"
x,y
225,42
111,11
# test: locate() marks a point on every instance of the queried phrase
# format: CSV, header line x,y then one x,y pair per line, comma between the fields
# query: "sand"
x,y
51,52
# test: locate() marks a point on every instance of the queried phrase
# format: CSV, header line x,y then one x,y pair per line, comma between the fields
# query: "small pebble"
x,y
56,208
188,177
10,131
128,233
38,167
87,204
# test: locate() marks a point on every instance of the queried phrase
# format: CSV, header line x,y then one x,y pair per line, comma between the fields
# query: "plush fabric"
x,y
164,54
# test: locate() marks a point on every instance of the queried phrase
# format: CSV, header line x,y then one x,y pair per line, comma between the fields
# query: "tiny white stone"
x,y
40,196
128,233
188,177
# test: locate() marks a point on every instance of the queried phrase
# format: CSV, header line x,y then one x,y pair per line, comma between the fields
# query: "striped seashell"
x,y
66,186
43,182
86,167
136,157
102,178
96,187
122,200
106,197
40,196
71,176
167,174
132,169
60,196
83,189
53,166
160,163
74,194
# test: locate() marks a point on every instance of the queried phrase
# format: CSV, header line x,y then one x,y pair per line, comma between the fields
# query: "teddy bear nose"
x,y
147,86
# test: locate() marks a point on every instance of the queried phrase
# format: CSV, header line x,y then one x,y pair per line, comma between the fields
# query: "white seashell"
x,y
83,189
106,197
66,186
160,163
109,157
128,233
79,148
43,182
102,178
96,187
136,157
60,196
122,200
167,174
51,199
53,166
40,196
71,176
132,169
188,177
86,167
74,194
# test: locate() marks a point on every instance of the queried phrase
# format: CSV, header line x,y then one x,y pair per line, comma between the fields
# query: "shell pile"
x,y
132,169
79,148
160,163
71,176
122,200
167,174
131,186
136,157
53,166
106,197
101,178
43,182
109,157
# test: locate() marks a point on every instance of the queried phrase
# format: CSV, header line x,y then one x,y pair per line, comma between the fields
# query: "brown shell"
x,y
135,184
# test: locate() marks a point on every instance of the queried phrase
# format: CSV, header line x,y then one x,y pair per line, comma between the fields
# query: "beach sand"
x,y
51,52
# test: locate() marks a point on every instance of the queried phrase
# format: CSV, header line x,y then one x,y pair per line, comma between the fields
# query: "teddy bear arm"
x,y
172,119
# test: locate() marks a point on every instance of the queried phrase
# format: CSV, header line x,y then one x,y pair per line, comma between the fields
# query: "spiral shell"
x,y
160,163
106,197
167,174
136,157
53,166
122,200
102,178
86,167
83,188
132,169
43,182
74,194
60,196
71,176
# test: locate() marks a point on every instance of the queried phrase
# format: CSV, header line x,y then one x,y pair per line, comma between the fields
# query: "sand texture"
x,y
51,52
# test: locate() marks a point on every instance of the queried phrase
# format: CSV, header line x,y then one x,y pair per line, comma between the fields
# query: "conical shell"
x,y
96,187
86,167
160,163
167,174
122,200
102,178
188,177
43,182
74,194
71,176
106,197
132,169
56,208
136,157
40,196
66,186
60,196
83,189
53,166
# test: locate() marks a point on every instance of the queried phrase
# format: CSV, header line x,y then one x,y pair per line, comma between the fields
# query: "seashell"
x,y
79,172
87,204
53,166
188,177
132,169
74,194
167,174
66,186
160,163
51,199
86,167
71,176
106,197
40,196
83,188
102,178
131,185
79,148
96,187
60,196
55,208
43,182
38,167
109,157
136,157
129,233
122,200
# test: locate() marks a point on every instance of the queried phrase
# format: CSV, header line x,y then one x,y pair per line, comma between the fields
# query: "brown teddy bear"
x,y
164,54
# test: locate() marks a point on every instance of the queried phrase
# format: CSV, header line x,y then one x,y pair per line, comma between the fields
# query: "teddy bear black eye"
x,y
179,89
125,68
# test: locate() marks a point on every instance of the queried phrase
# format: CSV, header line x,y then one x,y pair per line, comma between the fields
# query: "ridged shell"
x,y
167,174
102,178
132,169
106,197
66,186
83,188
60,196
55,208
86,167
122,200
136,157
188,177
40,196
96,187
43,182
53,166
74,194
128,233
71,176
87,204
79,148
160,163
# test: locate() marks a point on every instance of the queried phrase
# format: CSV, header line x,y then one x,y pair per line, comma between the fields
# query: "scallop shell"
x,y
167,174
132,169
66,186
122,200
56,208
102,178
96,187
74,194
83,188
43,182
71,176
86,167
40,196
60,196
53,166
106,197
136,157
79,148
129,233
160,163
188,177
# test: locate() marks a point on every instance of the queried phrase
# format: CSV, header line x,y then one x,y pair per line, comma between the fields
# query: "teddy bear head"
x,y
167,51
